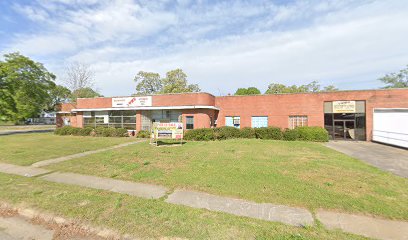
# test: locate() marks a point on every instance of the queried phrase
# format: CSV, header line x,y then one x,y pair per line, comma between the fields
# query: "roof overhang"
x,y
145,108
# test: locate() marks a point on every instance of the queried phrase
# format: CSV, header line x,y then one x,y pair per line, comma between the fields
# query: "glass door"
x,y
338,130
350,130
344,130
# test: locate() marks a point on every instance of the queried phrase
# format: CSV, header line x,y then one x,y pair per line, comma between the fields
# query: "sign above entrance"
x,y
132,102
344,106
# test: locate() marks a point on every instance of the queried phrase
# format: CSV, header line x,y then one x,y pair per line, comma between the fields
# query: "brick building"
x,y
345,114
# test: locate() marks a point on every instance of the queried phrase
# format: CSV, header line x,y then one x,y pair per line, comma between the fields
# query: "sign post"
x,y
166,131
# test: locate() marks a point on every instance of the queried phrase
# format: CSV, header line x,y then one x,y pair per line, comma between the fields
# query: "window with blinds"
x,y
297,121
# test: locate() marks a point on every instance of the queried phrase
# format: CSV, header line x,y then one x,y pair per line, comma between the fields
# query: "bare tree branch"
x,y
78,76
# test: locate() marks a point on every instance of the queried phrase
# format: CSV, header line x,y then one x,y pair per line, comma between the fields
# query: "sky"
x,y
220,45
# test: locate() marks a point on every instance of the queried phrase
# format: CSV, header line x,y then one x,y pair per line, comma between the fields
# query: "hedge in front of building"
x,y
315,134
89,131
143,134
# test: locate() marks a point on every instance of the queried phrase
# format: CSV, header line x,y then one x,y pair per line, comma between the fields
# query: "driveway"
x,y
391,159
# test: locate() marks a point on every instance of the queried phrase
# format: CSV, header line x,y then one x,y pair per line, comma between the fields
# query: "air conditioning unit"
x,y
236,121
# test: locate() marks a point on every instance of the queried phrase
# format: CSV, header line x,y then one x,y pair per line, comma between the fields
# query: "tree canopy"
x,y
174,82
57,95
396,80
275,88
247,91
148,82
24,87
85,93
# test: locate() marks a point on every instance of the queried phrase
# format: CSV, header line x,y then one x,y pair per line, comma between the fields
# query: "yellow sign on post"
x,y
166,131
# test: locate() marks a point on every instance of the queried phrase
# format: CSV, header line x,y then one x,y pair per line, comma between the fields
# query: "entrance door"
x,y
344,130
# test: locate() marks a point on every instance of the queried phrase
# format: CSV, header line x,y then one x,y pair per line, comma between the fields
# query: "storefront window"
x,y
348,123
116,119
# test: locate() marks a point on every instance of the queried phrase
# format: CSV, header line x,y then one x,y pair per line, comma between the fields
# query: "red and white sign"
x,y
132,102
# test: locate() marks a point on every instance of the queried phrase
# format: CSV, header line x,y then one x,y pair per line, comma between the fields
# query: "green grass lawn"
x,y
25,149
301,174
146,218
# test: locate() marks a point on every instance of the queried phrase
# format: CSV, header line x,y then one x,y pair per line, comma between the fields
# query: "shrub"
x,y
76,131
316,134
99,131
201,134
66,130
121,132
143,134
57,131
247,132
89,131
85,131
290,135
109,132
268,133
223,133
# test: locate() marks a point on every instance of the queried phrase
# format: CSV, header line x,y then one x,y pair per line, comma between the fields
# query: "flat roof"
x,y
328,92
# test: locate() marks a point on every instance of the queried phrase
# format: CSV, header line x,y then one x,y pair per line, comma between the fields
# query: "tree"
x,y
148,83
247,91
57,95
275,88
176,82
396,80
24,87
85,93
330,88
80,80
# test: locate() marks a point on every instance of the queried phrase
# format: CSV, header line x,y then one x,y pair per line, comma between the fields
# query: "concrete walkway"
x,y
119,186
391,159
263,211
69,157
363,225
25,171
18,228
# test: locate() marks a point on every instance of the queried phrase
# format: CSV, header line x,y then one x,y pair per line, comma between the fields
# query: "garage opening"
x,y
390,126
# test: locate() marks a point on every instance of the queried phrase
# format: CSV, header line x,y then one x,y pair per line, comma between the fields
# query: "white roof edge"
x,y
144,108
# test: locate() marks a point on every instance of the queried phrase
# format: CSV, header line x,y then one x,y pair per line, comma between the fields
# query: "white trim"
x,y
145,108
62,112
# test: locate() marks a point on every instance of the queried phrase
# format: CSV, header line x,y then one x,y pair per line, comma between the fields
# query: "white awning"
x,y
145,108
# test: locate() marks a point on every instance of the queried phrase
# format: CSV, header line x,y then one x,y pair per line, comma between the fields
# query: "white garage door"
x,y
391,126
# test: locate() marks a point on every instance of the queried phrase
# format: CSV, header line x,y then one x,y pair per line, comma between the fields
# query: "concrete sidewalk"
x,y
362,225
78,155
113,185
264,211
26,171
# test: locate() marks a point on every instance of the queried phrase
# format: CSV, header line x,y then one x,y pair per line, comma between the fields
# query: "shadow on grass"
x,y
170,143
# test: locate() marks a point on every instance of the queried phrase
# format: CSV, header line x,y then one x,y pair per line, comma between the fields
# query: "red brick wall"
x,y
202,117
279,107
